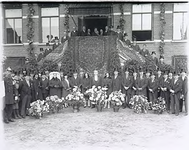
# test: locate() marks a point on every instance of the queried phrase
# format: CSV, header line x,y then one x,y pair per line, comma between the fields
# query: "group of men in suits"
x,y
26,87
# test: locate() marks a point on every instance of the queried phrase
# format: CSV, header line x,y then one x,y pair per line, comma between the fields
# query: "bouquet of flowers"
x,y
55,103
159,105
75,97
139,103
97,95
116,98
38,108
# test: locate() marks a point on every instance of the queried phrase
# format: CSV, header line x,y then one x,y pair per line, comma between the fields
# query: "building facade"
x,y
142,21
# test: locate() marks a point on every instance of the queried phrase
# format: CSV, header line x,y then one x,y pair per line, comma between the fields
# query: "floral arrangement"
x,y
38,108
55,103
97,95
159,105
139,103
116,98
75,97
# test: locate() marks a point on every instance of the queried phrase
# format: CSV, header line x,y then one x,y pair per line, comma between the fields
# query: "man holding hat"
x,y
175,90
164,90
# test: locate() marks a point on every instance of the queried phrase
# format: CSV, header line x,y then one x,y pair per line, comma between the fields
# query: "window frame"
x,y
176,12
5,31
152,19
53,16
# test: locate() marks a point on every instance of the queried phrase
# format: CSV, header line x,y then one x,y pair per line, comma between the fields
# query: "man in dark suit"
x,y
144,52
164,88
9,98
135,46
154,58
126,40
116,81
134,88
26,95
159,78
83,32
107,31
152,88
141,83
74,32
175,90
184,91
44,85
119,33
75,81
56,43
127,83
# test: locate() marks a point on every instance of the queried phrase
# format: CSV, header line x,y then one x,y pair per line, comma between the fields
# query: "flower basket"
x,y
116,98
159,106
75,99
38,108
97,96
139,104
55,103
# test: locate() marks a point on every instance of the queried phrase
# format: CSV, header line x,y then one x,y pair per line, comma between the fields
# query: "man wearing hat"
x,y
164,90
74,32
126,40
56,43
119,33
144,52
116,81
26,94
141,83
74,80
9,98
127,83
184,91
134,79
152,88
107,31
175,90
154,58
159,78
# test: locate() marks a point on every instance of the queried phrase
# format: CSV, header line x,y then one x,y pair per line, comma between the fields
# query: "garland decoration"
x,y
162,24
30,34
66,23
121,21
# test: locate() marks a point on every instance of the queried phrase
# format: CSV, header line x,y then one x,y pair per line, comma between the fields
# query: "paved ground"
x,y
105,130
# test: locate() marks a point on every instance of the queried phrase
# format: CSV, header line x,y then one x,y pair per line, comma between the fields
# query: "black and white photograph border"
x,y
120,85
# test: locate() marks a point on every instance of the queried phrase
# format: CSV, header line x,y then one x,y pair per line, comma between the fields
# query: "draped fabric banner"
x,y
92,53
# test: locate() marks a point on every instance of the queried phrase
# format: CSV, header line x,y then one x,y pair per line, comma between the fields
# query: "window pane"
x,y
55,27
137,8
49,11
18,30
136,22
10,30
13,13
146,21
146,8
181,7
180,23
45,29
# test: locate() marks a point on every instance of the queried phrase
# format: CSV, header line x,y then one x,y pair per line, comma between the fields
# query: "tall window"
x,y
142,22
180,21
50,24
13,25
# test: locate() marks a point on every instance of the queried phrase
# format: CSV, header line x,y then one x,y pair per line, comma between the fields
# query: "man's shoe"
x,y
177,114
11,120
186,114
6,121
23,117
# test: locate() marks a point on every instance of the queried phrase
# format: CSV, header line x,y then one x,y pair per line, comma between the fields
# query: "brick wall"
x,y
171,48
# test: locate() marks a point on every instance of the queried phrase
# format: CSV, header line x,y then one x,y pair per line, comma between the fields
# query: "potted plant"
x,y
116,98
159,106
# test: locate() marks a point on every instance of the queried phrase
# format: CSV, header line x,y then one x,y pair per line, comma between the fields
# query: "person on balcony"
x,y
135,46
74,32
95,33
83,32
65,37
119,33
152,88
101,32
88,32
154,58
56,44
144,52
112,32
126,40
74,80
107,31
116,81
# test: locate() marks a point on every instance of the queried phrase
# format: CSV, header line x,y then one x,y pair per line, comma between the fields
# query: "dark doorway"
x,y
95,22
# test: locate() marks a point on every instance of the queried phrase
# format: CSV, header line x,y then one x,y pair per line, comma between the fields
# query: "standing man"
x,y
175,90
26,94
152,87
44,85
74,32
9,98
164,88
116,81
184,91
75,81
159,78
154,58
83,32
127,83
126,40
141,84
56,44
134,88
